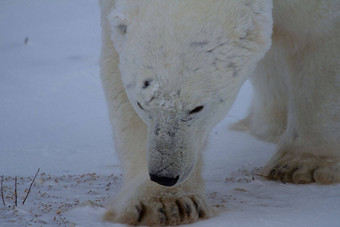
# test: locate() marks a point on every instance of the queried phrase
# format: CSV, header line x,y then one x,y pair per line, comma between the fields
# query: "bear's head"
x,y
182,64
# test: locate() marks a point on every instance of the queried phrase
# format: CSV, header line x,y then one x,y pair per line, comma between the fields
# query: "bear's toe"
x,y
163,211
302,171
327,175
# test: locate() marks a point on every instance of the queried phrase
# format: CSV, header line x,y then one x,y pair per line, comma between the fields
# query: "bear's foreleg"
x,y
309,150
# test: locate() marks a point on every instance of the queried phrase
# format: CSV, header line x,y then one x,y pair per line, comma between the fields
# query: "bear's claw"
x,y
163,211
289,173
303,171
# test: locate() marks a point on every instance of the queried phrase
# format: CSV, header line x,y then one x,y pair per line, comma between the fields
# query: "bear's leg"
x,y
143,202
309,150
140,200
268,113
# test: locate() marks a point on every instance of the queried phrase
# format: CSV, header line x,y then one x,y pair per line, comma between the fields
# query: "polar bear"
x,y
171,71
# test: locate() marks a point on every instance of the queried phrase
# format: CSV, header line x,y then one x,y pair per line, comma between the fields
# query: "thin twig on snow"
x,y
29,189
15,192
2,191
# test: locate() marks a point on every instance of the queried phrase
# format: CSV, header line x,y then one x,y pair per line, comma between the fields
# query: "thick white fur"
x,y
198,53
296,99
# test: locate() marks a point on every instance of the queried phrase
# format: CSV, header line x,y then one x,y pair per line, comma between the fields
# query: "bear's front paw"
x,y
163,210
151,204
302,169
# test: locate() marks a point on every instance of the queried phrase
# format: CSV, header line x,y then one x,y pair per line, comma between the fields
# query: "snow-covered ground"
x,y
53,117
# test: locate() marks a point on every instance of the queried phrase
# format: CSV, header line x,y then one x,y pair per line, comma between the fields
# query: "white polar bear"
x,y
171,71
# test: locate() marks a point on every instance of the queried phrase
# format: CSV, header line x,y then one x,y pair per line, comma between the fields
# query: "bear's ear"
x,y
121,17
253,22
244,25
119,28
122,28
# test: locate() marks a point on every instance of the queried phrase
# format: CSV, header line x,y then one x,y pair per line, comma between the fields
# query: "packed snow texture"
x,y
54,117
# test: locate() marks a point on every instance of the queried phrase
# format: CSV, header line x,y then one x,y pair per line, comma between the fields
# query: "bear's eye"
x,y
140,106
147,84
196,110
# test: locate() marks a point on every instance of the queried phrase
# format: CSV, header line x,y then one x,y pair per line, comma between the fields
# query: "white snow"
x,y
53,117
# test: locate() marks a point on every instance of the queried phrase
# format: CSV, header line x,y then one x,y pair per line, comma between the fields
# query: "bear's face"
x,y
182,69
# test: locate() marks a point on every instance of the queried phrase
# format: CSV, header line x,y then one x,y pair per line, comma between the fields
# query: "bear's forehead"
x,y
191,68
179,56
192,63
166,53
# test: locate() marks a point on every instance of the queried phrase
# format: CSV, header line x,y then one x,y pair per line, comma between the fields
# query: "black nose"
x,y
165,181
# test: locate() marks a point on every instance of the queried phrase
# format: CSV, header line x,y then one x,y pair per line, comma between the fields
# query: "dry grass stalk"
x,y
29,189
2,191
15,192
